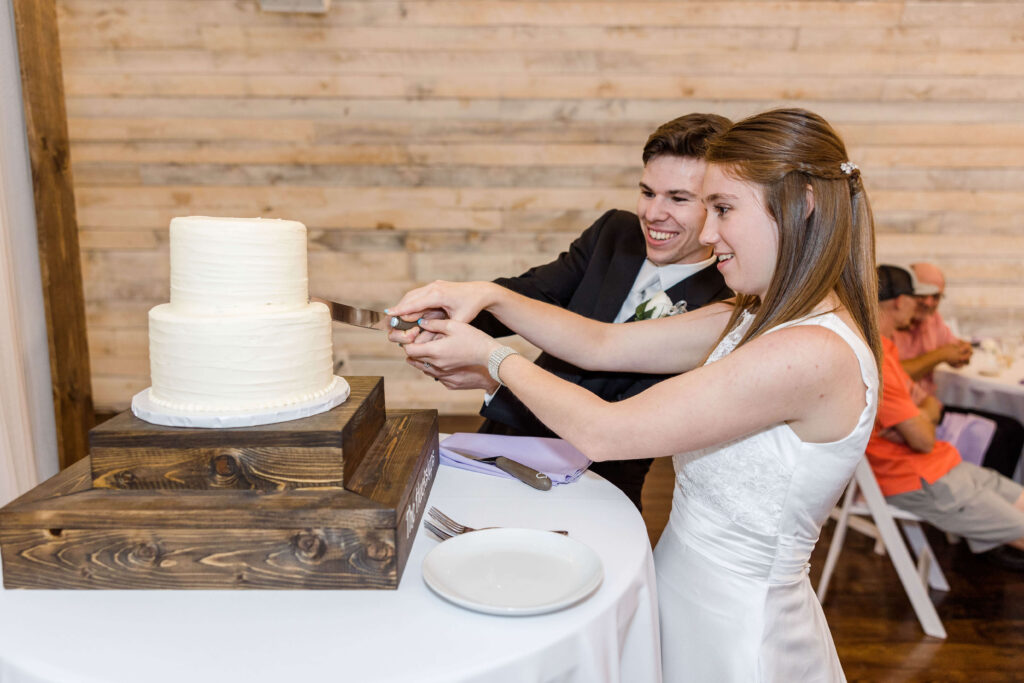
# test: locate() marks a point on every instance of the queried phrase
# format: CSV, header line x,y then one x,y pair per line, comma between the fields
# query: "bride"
x,y
769,424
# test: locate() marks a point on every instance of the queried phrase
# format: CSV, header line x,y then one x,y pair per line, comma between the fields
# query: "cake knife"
x,y
527,475
363,317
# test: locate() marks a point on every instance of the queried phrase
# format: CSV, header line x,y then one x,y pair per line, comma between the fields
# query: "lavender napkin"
x,y
970,433
556,458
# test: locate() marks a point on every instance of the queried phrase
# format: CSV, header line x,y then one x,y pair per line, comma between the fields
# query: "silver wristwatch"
x,y
494,361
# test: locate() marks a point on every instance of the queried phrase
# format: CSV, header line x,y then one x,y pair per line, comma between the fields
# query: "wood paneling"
x,y
39,57
473,138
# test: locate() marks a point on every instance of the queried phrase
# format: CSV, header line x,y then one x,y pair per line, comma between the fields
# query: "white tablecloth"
x,y
407,635
967,387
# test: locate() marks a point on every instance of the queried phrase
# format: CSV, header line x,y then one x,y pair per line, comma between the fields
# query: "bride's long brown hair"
x,y
831,248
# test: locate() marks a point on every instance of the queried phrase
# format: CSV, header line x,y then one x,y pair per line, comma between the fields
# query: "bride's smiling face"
x,y
743,235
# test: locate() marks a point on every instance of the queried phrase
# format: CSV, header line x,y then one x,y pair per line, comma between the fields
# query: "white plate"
x,y
512,571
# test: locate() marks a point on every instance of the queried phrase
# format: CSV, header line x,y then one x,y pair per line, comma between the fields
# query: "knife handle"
x,y
399,324
527,475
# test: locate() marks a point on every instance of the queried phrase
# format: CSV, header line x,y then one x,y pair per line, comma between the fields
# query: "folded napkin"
x,y
556,458
970,433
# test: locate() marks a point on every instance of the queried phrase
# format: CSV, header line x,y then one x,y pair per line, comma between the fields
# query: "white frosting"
x,y
239,333
238,263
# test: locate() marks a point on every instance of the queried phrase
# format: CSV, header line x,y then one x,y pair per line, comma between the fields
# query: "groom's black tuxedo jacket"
x,y
592,278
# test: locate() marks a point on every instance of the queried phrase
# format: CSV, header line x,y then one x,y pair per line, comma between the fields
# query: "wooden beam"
x,y
46,124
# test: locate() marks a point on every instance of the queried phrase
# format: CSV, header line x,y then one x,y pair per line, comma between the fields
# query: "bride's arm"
x,y
664,346
805,376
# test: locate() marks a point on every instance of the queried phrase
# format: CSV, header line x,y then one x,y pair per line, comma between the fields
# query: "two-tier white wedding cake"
x,y
239,338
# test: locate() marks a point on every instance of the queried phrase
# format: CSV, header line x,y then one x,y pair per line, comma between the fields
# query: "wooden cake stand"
x,y
329,501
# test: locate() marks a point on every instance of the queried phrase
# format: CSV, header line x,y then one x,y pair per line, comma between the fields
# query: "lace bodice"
x,y
771,482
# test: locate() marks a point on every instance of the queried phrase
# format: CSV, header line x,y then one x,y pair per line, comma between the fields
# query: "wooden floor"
x,y
874,628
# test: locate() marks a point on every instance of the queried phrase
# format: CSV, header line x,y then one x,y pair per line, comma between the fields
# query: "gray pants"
x,y
970,501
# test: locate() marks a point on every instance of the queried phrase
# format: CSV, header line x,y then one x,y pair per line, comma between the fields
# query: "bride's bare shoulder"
x,y
803,354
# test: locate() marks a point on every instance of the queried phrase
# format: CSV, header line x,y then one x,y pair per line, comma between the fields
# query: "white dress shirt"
x,y
652,279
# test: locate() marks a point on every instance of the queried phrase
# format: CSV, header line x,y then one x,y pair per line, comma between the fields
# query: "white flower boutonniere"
x,y
659,306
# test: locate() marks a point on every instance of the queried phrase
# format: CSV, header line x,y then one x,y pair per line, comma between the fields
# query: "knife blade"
x,y
527,475
363,317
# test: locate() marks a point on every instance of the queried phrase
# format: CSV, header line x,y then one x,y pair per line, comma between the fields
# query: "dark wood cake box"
x,y
329,501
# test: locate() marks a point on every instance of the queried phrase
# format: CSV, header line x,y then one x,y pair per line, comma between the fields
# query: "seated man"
x,y
924,476
927,341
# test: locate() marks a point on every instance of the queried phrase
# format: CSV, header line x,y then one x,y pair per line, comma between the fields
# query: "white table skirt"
x,y
397,636
968,388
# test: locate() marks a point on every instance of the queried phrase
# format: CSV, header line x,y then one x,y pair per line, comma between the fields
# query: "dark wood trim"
x,y
42,88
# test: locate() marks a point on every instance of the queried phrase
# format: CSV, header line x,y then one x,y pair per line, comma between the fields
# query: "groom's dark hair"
x,y
686,136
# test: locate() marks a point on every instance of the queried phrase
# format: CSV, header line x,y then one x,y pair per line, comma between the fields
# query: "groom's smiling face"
x,y
670,210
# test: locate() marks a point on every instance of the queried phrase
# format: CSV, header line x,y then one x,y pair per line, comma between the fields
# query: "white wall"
x,y
28,436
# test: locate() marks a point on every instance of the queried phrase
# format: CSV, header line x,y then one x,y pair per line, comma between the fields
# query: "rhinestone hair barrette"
x,y
848,167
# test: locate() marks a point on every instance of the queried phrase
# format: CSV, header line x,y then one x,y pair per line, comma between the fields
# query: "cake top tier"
x,y
238,263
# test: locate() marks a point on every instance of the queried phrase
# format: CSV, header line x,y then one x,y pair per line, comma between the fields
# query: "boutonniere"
x,y
659,306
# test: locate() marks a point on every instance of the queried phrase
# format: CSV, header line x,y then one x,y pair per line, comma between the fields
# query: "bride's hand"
x,y
415,333
461,301
456,345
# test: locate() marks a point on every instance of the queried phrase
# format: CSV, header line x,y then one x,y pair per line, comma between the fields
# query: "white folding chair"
x,y
915,577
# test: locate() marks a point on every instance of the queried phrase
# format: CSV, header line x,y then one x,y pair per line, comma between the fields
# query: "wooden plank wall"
x,y
474,138
56,230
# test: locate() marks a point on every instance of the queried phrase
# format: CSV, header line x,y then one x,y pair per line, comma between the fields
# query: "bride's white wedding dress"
x,y
735,600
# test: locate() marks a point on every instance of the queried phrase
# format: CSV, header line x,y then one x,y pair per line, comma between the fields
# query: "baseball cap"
x,y
894,281
921,288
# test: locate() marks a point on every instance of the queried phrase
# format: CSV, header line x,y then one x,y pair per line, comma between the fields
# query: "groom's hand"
x,y
469,377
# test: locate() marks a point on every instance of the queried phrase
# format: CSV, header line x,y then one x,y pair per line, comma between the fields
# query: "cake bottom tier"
x,y
212,363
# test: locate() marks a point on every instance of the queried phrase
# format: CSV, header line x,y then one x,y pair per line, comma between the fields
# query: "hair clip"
x,y
848,167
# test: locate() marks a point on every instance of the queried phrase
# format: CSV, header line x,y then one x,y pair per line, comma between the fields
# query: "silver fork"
x,y
456,528
442,534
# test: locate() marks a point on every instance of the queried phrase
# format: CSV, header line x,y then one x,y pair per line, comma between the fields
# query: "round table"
x,y
409,634
968,387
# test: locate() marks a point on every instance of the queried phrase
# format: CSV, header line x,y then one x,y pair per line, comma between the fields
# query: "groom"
x,y
620,262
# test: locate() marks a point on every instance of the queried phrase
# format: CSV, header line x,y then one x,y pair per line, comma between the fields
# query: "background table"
x,y
967,388
405,635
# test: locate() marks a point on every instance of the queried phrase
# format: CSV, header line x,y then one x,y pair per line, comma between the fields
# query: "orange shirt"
x,y
898,467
